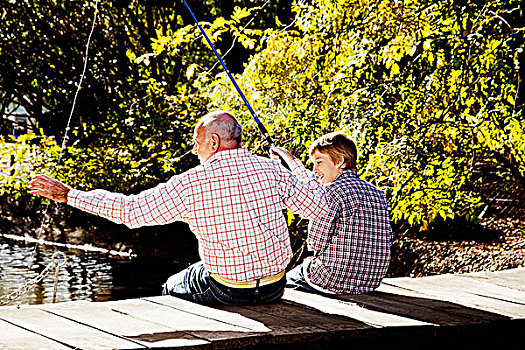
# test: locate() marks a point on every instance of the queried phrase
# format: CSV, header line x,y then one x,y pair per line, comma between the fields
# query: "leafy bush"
x,y
427,89
23,157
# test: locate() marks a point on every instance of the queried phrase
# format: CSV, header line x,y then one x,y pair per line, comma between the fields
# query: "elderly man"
x,y
232,202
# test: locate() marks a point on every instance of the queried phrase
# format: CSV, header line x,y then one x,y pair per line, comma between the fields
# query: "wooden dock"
x,y
481,310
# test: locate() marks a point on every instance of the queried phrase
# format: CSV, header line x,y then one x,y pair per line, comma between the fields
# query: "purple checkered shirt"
x,y
351,243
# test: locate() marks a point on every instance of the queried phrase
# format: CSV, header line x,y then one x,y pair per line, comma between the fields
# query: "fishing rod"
x,y
260,125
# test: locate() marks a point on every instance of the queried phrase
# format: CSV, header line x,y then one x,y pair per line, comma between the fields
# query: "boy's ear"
x,y
340,164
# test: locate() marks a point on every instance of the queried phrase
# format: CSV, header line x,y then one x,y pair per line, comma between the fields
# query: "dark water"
x,y
88,276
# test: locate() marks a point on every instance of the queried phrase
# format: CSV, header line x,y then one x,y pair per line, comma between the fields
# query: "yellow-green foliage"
x,y
426,88
23,157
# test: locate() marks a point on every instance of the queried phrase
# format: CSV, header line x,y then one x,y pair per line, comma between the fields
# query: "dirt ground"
x,y
460,247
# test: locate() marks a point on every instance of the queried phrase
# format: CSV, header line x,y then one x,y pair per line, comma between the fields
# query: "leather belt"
x,y
248,284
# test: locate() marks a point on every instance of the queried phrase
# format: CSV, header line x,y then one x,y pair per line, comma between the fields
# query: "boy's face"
x,y
324,167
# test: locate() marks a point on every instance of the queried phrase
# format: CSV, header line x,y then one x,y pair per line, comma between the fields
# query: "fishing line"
x,y
260,126
86,55
63,145
79,85
240,32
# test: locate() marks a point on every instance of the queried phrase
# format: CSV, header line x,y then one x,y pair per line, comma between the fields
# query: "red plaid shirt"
x,y
351,243
234,205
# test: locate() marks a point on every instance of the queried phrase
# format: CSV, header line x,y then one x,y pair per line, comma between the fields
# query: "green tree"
x,y
426,88
135,111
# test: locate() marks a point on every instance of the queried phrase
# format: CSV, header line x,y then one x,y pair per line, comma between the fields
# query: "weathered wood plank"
x,y
350,309
423,309
387,287
285,309
486,288
516,274
200,326
289,311
62,330
253,332
513,278
463,283
16,338
101,316
476,294
226,317
282,330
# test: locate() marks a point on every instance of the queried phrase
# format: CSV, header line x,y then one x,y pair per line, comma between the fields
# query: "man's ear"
x,y
215,142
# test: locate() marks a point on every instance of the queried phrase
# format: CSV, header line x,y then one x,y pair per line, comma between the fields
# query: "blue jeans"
x,y
195,284
296,280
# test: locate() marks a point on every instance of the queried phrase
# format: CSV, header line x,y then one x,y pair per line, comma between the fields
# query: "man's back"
x,y
233,203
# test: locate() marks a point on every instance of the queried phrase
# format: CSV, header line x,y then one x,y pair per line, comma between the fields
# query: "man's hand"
x,y
48,187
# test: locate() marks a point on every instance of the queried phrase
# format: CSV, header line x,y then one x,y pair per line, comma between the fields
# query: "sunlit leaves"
x,y
426,88
24,157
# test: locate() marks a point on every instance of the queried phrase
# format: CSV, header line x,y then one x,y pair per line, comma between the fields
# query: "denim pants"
x,y
296,280
196,284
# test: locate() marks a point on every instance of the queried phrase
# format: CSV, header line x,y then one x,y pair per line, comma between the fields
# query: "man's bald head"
x,y
215,132
224,125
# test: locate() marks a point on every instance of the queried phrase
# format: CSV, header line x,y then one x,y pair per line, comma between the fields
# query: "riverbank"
x,y
71,227
460,247
454,247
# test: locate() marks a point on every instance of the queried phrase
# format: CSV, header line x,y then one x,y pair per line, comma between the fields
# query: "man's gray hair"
x,y
224,125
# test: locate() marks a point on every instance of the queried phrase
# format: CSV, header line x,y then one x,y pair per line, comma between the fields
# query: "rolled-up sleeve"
x,y
160,205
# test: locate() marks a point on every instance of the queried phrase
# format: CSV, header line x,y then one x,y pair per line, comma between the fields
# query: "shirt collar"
x,y
226,154
346,173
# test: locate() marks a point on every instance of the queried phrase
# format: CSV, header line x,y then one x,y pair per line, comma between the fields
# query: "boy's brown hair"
x,y
338,146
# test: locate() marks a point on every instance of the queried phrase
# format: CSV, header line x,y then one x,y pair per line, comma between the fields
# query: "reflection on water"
x,y
86,275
